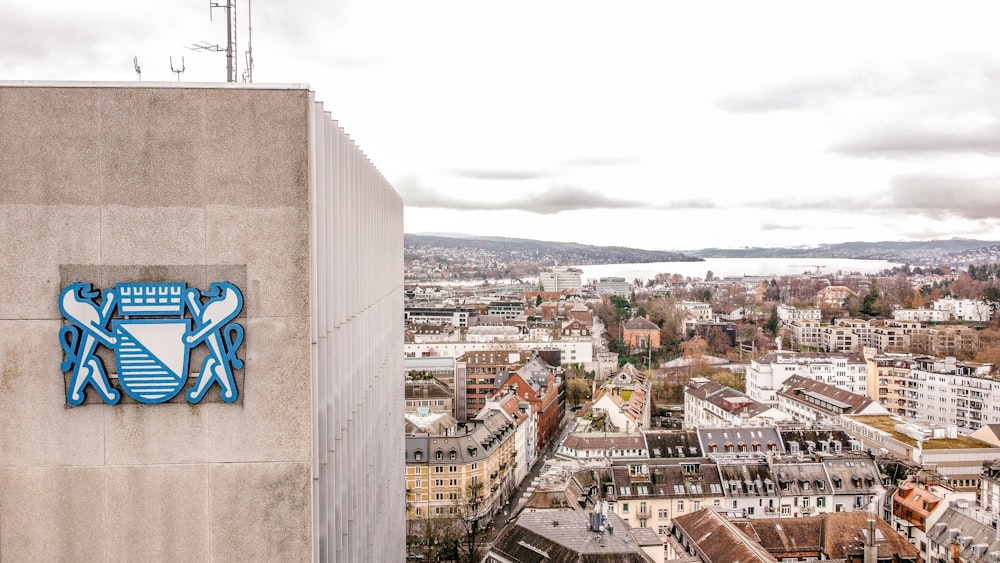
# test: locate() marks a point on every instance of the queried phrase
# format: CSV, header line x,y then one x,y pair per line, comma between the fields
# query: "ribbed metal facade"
x,y
357,300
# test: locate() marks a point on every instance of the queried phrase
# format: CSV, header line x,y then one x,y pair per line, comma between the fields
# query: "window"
x,y
439,454
662,530
821,502
786,509
418,455
680,506
439,482
663,514
439,469
697,506
624,508
453,482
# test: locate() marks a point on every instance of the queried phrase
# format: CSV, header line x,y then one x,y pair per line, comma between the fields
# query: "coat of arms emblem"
x,y
157,326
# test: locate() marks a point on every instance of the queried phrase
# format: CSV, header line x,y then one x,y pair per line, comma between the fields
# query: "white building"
x,y
963,394
787,313
973,310
709,404
767,374
560,279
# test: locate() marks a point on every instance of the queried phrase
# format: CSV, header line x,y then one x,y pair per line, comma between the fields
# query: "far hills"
x,y
950,251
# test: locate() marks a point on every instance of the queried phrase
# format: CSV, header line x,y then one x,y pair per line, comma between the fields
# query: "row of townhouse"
x,y
652,493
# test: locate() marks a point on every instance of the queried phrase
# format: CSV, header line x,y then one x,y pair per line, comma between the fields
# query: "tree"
x,y
773,323
729,379
709,276
470,513
538,300
577,391
772,293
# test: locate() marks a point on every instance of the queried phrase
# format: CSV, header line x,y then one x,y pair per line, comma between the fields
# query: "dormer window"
x,y
418,455
453,454
439,454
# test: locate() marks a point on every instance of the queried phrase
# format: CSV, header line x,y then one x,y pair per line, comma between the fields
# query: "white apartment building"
x,y
921,315
838,338
560,279
767,374
613,286
946,391
697,310
893,336
788,313
973,310
805,332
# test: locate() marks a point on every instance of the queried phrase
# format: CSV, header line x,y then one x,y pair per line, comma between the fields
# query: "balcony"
x,y
643,512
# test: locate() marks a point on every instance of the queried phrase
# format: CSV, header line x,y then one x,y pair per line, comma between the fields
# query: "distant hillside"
x,y
938,251
524,250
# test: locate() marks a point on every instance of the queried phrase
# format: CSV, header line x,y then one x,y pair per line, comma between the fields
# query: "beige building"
x,y
168,185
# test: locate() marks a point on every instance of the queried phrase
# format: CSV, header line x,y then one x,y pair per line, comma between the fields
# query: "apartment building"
x,y
479,370
916,507
805,332
788,313
709,404
811,401
950,392
970,310
767,374
464,472
892,336
649,494
888,380
536,383
946,340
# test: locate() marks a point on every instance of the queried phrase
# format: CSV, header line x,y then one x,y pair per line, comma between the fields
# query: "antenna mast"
x,y
248,65
230,8
138,70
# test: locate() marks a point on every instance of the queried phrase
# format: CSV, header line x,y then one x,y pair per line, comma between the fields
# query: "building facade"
x,y
250,190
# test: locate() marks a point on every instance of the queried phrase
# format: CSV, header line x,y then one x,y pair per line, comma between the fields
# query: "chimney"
x,y
871,550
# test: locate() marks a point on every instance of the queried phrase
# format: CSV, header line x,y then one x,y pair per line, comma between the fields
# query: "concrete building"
x,y
560,279
296,454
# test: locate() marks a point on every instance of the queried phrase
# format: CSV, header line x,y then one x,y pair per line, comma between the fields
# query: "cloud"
x,y
499,174
906,143
942,196
792,96
600,161
552,200
955,77
782,227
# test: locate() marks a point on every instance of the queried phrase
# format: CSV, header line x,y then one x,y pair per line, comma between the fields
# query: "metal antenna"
x,y
230,7
248,66
138,70
176,70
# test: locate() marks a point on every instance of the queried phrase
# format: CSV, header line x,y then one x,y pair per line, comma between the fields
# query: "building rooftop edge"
x,y
140,84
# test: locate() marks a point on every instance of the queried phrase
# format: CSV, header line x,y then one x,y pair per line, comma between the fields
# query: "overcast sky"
x,y
659,124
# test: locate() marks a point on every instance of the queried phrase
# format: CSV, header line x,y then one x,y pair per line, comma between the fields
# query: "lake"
x,y
735,267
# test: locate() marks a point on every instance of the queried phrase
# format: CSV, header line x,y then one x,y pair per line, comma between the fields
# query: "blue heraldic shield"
x,y
158,325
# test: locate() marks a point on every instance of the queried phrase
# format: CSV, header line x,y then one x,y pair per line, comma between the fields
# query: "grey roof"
x,y
844,402
975,539
853,475
565,536
763,435
673,443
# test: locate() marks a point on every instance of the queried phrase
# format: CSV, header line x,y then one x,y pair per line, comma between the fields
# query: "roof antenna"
x,y
177,71
138,70
230,8
248,64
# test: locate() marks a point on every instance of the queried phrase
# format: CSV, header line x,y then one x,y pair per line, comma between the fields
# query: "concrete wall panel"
x,y
52,514
36,240
55,159
260,512
157,513
36,428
